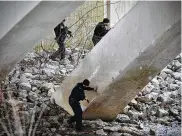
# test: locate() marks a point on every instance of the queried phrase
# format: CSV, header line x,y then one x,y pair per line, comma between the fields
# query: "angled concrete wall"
x,y
12,12
143,42
30,28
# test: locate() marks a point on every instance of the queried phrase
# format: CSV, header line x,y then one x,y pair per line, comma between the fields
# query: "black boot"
x,y
79,129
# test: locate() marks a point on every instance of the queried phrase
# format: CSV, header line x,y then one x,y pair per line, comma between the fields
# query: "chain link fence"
x,y
82,23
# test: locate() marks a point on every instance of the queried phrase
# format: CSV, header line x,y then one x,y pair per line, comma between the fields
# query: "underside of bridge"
x,y
23,24
139,46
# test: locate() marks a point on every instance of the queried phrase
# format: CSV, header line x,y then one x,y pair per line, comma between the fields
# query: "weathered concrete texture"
x,y
143,42
30,29
12,12
136,75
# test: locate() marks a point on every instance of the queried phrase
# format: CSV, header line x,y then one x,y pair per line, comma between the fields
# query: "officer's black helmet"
x,y
106,20
86,82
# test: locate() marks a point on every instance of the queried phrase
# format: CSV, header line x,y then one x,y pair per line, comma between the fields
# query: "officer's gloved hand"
x,y
95,89
87,100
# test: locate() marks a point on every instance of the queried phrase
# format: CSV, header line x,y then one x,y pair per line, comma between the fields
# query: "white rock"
x,y
28,70
179,70
173,111
166,98
153,109
116,134
58,135
37,91
24,79
70,70
25,86
178,83
101,132
175,93
63,71
170,80
93,126
114,123
61,66
177,75
133,101
141,125
143,99
131,130
173,87
35,70
75,56
100,122
152,95
125,110
23,93
167,71
162,112
155,83
134,114
36,77
44,54
68,51
163,84
50,69
45,77
114,128
28,75
48,72
15,80
69,66
65,61
36,83
169,66
33,96
50,92
163,74
123,118
148,88
53,129
48,85
176,65
52,64
34,89
76,49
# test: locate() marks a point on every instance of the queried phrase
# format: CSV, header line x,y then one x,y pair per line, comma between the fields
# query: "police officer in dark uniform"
x,y
100,31
61,32
77,95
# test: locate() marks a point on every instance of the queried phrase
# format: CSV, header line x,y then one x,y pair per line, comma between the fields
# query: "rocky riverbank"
x,y
27,110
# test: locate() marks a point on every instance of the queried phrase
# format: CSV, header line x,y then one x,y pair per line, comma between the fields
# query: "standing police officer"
x,y
100,31
77,95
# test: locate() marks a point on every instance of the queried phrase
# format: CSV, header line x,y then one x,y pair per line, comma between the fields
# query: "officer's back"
x,y
78,92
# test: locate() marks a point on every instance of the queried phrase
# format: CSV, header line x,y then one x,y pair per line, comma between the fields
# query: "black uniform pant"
x,y
96,39
75,105
60,51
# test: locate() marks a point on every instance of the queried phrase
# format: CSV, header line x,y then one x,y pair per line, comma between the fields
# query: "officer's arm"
x,y
87,100
90,88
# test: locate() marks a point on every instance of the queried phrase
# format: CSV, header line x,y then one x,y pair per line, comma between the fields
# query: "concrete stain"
x,y
107,108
